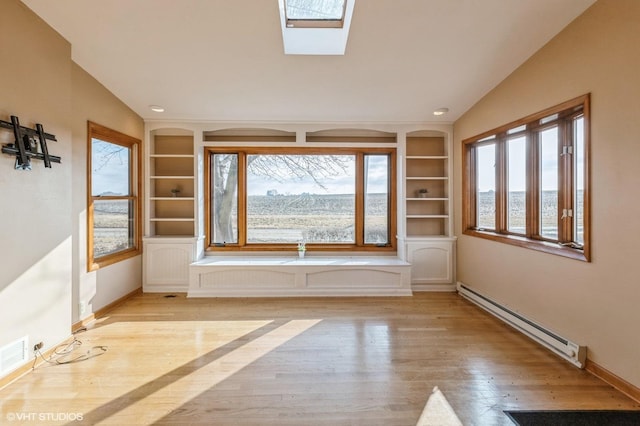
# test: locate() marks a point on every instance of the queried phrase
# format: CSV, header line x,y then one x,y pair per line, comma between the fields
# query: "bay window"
x,y
526,183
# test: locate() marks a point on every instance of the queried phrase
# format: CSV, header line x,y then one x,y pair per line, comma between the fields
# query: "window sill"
x,y
342,248
543,246
110,259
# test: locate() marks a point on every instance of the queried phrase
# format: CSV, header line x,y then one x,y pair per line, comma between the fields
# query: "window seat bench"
x,y
278,276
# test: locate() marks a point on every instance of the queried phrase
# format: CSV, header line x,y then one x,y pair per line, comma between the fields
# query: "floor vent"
x,y
13,355
568,350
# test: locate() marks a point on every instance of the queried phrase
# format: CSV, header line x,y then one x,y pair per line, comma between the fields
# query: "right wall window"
x,y
526,183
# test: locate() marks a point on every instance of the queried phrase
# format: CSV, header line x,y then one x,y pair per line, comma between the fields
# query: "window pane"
x,y
578,196
486,186
110,164
225,198
549,183
376,199
113,226
294,198
315,9
516,185
517,129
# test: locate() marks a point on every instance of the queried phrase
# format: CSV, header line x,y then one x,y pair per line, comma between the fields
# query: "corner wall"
x,y
42,228
35,224
91,101
594,304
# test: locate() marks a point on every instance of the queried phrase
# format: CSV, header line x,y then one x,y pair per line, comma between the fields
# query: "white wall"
x,y
594,304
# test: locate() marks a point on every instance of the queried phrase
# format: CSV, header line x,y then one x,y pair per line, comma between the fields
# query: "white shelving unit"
x,y
171,186
429,244
174,226
171,241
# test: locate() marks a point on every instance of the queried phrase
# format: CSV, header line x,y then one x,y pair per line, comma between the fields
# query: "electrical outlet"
x,y
38,346
82,308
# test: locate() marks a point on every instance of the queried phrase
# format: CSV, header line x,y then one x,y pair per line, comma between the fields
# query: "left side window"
x,y
113,189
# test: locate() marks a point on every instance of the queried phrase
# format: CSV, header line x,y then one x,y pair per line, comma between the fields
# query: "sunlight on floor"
x,y
181,388
438,412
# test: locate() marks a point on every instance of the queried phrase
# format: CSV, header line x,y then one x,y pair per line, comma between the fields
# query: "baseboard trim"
x,y
433,287
28,366
104,310
617,382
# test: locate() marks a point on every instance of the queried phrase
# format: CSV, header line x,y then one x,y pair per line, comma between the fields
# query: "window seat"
x,y
279,276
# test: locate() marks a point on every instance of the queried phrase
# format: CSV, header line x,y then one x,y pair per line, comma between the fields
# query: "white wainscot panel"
x,y
246,276
432,264
250,279
354,278
166,266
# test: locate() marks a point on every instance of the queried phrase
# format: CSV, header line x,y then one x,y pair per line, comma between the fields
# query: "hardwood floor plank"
x,y
297,361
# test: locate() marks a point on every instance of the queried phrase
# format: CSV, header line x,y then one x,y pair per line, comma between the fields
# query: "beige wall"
x,y
92,101
594,304
42,224
35,224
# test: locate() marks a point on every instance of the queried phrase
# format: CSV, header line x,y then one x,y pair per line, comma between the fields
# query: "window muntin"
x,y
338,199
552,149
113,188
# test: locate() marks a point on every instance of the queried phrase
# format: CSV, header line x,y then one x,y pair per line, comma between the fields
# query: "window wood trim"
x,y
358,244
97,131
530,240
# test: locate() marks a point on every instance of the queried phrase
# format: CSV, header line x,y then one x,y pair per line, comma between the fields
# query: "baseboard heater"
x,y
568,350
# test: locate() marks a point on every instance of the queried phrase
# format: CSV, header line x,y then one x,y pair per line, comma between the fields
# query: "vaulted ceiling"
x,y
223,60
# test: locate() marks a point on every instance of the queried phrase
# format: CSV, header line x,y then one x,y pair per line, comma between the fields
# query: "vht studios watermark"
x,y
43,417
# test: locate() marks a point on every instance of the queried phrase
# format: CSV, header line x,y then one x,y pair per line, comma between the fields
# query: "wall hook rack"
x,y
26,144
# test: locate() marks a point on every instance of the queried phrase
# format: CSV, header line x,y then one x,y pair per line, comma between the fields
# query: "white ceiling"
x,y
223,60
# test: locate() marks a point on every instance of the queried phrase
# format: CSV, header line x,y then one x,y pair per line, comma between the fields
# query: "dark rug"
x,y
575,418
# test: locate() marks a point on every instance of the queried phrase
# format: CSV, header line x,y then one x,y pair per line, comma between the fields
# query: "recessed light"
x,y
156,108
441,111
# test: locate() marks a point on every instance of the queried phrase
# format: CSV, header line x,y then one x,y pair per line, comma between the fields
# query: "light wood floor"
x,y
314,361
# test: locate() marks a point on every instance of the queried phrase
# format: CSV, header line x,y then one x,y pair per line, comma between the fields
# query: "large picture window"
x,y
526,183
329,199
113,187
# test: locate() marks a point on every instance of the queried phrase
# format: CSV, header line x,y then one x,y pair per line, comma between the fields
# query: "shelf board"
x,y
171,198
171,156
171,177
427,216
427,157
427,178
171,219
422,237
189,237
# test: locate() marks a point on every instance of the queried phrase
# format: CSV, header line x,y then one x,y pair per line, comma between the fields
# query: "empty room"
x,y
319,212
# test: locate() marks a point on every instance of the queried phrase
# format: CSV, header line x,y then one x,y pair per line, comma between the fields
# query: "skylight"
x,y
315,13
315,27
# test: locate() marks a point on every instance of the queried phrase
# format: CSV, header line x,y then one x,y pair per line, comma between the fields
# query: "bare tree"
x,y
276,167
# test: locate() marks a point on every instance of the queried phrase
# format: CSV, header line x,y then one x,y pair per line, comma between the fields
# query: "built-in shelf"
x,y
427,168
171,169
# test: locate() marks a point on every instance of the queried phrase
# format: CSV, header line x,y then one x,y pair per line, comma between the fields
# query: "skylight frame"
x,y
315,23
316,41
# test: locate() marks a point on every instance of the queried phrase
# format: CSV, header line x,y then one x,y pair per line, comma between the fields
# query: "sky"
x,y
517,164
339,183
110,168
